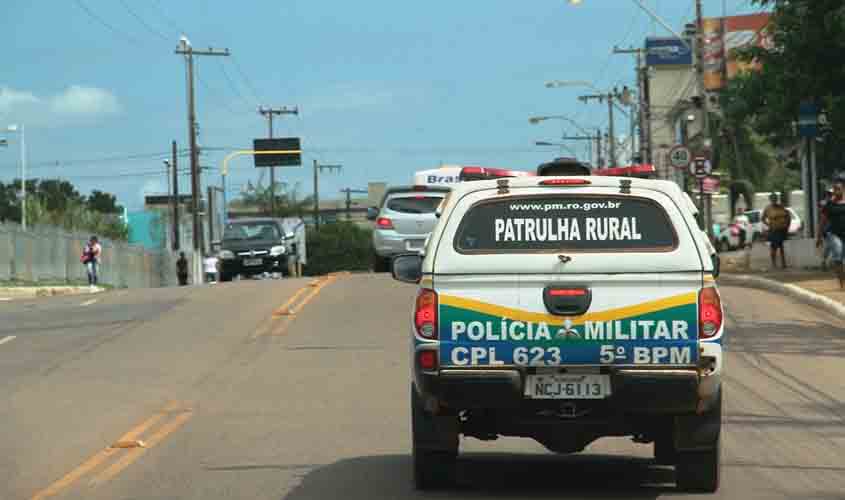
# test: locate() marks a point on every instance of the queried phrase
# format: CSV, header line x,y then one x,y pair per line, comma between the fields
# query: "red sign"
x,y
710,185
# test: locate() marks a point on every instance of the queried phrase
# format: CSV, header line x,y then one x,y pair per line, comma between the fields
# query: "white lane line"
x,y
6,339
89,302
4,299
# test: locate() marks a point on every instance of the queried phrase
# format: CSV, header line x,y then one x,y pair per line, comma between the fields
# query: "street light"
x,y
20,130
534,120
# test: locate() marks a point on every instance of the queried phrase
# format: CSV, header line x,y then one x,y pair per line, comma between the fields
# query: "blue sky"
x,y
384,87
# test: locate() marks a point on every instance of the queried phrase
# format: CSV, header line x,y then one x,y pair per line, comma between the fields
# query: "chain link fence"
x,y
49,255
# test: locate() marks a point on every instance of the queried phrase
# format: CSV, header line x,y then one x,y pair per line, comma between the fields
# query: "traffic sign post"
x,y
680,156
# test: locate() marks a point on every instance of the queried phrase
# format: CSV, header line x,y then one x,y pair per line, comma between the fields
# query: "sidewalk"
x,y
27,292
812,286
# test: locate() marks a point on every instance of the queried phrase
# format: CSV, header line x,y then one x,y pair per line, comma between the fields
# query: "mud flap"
x,y
430,432
699,432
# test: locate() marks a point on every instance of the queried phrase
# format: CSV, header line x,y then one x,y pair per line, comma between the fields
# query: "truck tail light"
x,y
709,312
425,314
384,223
427,360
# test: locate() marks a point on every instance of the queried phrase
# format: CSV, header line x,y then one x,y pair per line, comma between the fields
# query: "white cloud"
x,y
73,104
79,100
11,99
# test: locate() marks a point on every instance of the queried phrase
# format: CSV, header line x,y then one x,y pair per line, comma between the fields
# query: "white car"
x,y
566,309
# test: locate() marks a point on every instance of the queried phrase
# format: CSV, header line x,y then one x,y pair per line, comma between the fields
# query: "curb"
x,y
29,292
802,295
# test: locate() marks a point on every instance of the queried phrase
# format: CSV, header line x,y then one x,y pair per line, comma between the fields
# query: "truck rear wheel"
x,y
435,446
698,471
380,264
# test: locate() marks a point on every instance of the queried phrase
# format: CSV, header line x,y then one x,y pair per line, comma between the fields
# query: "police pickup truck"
x,y
566,309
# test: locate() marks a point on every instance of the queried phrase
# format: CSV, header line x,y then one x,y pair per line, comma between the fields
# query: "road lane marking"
x,y
315,290
284,309
100,457
5,299
7,338
89,302
135,453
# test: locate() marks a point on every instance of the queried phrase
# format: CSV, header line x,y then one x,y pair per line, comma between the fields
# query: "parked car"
x,y
403,222
734,236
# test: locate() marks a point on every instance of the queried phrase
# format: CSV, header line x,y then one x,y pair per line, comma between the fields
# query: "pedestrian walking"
x,y
833,220
777,218
182,269
210,263
91,258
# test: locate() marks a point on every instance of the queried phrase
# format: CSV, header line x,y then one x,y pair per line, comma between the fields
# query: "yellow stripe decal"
x,y
608,315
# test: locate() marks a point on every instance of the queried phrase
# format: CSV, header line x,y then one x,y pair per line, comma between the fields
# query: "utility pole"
x,y
175,194
269,113
642,81
610,97
349,192
699,69
317,169
189,52
705,105
599,156
210,210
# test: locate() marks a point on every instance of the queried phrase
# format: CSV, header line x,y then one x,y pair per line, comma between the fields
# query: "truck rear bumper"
x,y
633,390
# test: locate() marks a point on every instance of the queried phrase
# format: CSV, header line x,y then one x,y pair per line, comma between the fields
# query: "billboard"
x,y
667,52
722,37
291,157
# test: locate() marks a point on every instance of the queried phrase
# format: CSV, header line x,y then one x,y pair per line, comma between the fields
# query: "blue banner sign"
x,y
667,52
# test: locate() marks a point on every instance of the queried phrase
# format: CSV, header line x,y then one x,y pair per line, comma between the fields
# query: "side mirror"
x,y
372,213
407,268
717,263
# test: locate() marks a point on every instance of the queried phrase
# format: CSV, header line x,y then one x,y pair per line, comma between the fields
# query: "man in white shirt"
x,y
210,264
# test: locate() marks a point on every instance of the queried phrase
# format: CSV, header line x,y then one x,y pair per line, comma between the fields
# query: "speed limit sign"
x,y
680,156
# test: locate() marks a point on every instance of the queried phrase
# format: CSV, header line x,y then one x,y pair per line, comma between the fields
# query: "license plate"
x,y
563,386
253,262
414,244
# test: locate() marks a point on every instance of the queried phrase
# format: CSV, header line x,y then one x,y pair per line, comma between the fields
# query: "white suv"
x,y
566,309
403,222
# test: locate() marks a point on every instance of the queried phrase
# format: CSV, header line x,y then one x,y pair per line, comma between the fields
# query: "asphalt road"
x,y
282,390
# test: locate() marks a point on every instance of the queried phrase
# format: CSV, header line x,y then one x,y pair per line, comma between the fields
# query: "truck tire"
x,y
698,471
664,450
380,264
434,446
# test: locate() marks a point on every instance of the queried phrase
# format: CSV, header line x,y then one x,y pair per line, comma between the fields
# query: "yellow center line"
x,y
285,308
135,453
308,298
93,462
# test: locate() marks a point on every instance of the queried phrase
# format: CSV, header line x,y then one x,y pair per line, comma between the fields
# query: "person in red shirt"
x,y
91,258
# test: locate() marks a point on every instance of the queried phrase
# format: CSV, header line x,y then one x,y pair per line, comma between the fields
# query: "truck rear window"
x,y
551,223
415,204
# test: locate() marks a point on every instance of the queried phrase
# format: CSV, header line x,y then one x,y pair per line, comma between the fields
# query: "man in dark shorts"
x,y
777,218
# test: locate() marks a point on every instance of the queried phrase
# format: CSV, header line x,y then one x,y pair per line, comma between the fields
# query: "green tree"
x,y
806,62
103,203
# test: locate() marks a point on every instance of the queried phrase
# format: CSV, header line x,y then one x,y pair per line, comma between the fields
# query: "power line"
x,y
143,22
246,79
103,22
166,18
232,83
